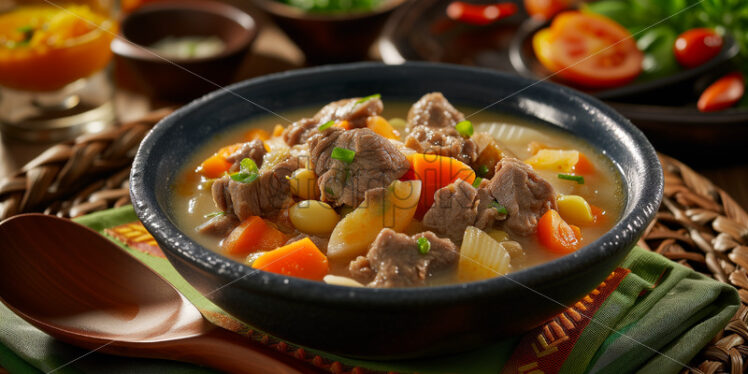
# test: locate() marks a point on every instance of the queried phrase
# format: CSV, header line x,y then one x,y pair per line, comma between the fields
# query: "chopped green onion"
x,y
248,165
367,98
476,182
214,214
325,125
424,245
576,178
342,154
465,128
483,170
329,191
28,34
244,177
499,208
247,173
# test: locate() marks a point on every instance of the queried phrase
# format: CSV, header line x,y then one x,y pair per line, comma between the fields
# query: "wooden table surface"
x,y
273,52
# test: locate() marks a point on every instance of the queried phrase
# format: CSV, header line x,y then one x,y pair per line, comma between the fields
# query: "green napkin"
x,y
654,316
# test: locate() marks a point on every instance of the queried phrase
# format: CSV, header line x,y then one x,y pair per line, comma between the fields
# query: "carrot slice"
x,y
256,134
278,130
584,165
556,235
345,125
217,164
599,214
301,259
435,172
253,235
214,166
380,126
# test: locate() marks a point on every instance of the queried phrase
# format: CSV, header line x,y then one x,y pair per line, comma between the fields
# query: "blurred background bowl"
x,y
330,37
183,78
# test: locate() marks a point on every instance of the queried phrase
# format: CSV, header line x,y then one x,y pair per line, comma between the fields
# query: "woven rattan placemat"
x,y
698,224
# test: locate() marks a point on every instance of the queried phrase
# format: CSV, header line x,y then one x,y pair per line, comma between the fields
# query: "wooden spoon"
x,y
79,287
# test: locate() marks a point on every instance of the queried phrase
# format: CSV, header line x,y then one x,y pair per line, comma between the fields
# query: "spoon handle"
x,y
227,351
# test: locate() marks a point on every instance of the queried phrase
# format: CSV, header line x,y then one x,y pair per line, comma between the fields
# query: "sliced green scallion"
x,y
248,171
465,128
576,178
424,245
367,98
325,125
214,214
476,182
342,154
499,208
483,170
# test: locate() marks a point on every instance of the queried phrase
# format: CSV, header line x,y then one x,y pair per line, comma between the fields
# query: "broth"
x,y
192,201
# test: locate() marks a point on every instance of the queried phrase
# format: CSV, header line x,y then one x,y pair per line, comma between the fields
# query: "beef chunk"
x,y
445,141
220,225
394,260
525,194
254,150
431,125
320,242
377,163
266,196
433,110
458,206
350,110
347,109
299,131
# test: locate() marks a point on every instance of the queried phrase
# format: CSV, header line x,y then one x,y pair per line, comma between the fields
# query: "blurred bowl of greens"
x,y
331,31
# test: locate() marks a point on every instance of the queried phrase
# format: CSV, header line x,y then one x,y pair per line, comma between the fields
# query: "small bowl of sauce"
x,y
180,50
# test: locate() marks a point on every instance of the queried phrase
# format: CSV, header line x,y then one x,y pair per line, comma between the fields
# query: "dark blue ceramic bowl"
x,y
394,323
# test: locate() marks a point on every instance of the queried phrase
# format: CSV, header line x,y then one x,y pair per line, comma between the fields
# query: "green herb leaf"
x,y
465,128
214,214
342,154
248,165
424,245
483,170
499,208
325,125
244,177
367,98
248,171
576,178
476,182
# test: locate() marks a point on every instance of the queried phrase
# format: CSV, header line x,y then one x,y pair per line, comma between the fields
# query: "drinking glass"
x,y
55,80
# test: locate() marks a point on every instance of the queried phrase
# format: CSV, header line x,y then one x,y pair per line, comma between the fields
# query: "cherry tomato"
x,y
697,46
478,14
723,93
593,51
546,9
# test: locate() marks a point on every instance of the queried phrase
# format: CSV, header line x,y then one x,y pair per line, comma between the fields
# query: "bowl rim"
x,y
277,8
622,237
122,45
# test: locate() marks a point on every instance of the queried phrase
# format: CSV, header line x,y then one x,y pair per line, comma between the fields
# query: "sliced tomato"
x,y
546,9
541,44
593,51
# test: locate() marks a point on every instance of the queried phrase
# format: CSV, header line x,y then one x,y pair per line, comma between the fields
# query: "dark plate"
x,y
680,88
421,31
394,323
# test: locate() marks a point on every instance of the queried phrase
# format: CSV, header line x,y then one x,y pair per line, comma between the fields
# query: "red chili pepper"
x,y
480,14
723,93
